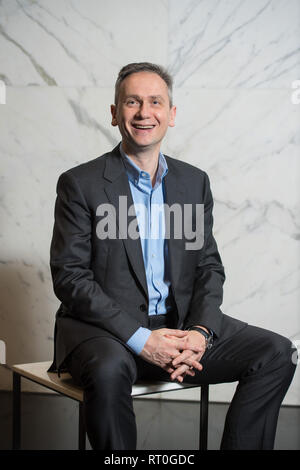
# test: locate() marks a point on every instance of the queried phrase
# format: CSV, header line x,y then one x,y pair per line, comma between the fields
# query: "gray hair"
x,y
143,67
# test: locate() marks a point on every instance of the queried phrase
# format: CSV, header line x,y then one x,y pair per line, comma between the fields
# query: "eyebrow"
x,y
137,97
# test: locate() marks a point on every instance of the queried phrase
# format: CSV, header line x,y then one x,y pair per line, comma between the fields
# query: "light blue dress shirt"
x,y
148,204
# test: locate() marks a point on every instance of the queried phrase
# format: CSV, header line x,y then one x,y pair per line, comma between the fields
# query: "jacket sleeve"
x,y
70,262
207,294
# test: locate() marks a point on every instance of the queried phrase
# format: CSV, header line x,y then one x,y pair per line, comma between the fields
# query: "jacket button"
x,y
143,308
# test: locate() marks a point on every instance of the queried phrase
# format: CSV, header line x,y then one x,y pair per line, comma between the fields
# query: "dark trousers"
x,y
258,359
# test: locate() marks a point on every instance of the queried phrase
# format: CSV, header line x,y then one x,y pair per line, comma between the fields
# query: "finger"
x,y
194,363
178,333
188,357
192,373
186,368
180,337
180,378
182,357
189,372
197,365
182,344
191,364
169,369
177,373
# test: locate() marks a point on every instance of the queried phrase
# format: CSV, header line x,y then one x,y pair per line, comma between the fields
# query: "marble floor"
x,y
50,422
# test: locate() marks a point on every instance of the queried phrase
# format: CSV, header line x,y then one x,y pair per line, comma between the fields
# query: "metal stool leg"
x,y
81,430
16,411
203,417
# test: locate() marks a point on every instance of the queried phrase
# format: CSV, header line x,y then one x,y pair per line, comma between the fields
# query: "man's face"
x,y
143,113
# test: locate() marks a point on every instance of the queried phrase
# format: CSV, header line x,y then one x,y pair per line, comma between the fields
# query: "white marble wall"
x,y
234,62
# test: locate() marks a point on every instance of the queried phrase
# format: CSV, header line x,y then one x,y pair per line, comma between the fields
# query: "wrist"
x,y
208,335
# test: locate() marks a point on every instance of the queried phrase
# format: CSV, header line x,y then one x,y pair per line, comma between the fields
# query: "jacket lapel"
x,y
174,194
119,186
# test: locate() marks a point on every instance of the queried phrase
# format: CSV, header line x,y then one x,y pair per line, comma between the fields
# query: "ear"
x,y
172,116
113,110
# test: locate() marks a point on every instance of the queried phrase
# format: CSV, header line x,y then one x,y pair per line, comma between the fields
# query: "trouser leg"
x,y
106,370
261,362
258,397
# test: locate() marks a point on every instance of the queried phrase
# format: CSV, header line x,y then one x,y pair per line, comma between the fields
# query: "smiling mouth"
x,y
140,126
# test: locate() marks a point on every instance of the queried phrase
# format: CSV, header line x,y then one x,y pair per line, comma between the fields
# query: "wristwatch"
x,y
208,336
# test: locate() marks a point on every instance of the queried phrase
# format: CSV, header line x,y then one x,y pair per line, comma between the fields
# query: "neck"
x,y
146,160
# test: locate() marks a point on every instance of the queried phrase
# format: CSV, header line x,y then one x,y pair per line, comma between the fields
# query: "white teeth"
x,y
143,127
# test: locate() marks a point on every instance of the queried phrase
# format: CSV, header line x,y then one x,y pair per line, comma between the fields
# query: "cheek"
x,y
161,118
126,119
164,116
122,115
123,124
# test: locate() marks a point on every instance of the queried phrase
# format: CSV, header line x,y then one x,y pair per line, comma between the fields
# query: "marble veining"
x,y
254,44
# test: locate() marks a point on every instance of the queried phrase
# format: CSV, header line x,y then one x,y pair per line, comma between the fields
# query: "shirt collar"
x,y
135,173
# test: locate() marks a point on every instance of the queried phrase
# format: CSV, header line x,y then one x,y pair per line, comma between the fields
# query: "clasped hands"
x,y
176,351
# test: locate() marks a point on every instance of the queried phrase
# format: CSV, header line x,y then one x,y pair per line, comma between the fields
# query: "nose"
x,y
144,110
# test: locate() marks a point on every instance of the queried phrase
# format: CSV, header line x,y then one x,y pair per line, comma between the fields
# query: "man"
x,y
149,306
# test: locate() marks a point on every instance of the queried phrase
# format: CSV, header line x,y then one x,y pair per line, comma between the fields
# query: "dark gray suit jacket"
x,y
101,284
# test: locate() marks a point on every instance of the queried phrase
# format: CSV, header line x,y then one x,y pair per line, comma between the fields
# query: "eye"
x,y
131,102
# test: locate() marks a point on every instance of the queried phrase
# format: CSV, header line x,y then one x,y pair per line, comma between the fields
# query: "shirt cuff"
x,y
138,340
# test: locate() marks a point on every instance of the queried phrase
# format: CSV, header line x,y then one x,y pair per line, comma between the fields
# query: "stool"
x,y
38,372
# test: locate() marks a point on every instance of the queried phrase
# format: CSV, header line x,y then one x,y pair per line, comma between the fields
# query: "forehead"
x,y
144,84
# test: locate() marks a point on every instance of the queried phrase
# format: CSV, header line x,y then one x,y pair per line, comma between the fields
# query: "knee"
x,y
281,351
